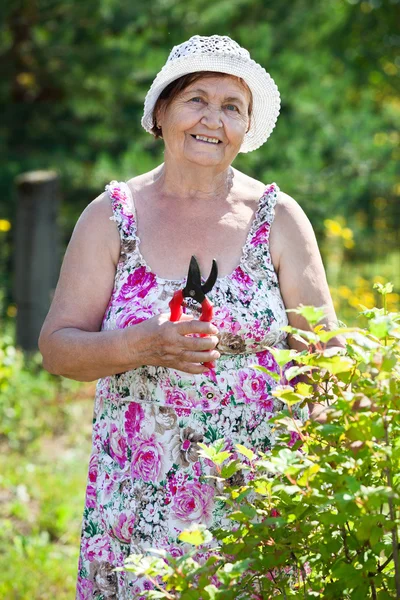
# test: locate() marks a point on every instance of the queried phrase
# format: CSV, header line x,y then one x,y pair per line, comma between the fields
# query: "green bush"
x,y
32,402
318,518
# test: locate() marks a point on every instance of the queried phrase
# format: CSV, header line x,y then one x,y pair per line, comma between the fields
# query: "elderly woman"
x,y
157,397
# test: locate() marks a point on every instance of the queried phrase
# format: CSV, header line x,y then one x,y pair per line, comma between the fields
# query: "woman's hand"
x,y
174,345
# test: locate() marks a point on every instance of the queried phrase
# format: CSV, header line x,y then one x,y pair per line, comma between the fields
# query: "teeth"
x,y
206,139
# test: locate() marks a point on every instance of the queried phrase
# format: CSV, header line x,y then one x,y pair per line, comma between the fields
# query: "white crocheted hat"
x,y
224,55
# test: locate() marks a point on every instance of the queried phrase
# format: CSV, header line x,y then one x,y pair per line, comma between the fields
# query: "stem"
x,y
387,561
373,590
159,587
299,566
392,513
345,546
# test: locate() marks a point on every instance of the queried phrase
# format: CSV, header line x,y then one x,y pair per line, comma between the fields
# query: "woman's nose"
x,y
212,117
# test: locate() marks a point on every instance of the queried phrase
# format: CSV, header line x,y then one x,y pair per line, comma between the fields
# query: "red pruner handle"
x,y
207,313
176,306
207,310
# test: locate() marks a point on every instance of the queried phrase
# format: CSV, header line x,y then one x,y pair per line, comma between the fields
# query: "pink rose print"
x,y
132,314
197,468
257,331
265,359
90,496
224,321
193,503
252,387
97,548
261,236
180,401
127,222
84,589
123,528
138,285
121,204
133,419
242,278
93,468
117,445
210,397
175,551
267,404
147,459
100,435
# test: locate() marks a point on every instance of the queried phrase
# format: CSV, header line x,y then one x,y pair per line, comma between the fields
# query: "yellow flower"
x,y
344,291
12,311
347,233
354,301
393,301
334,228
368,299
5,225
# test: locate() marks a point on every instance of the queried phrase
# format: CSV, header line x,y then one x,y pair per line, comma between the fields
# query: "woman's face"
x,y
215,108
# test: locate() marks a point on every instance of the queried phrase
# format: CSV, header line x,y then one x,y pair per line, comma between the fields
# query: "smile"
x,y
207,140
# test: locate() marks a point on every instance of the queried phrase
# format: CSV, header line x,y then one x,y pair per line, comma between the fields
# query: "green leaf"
x,y
292,372
212,591
334,364
325,336
282,357
219,458
195,535
381,326
272,374
383,289
230,469
312,314
287,395
246,452
304,389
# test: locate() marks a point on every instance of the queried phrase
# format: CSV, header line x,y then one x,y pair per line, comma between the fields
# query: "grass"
x,y
42,489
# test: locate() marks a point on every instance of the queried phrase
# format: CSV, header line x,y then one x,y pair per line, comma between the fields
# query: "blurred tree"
x,y
74,77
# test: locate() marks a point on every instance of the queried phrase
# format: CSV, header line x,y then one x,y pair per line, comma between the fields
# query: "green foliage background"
x,y
73,80
75,75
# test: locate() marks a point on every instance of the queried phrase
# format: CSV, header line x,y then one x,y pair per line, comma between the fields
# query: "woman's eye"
x,y
197,98
232,106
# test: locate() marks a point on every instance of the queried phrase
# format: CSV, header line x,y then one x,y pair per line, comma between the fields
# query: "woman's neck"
x,y
197,185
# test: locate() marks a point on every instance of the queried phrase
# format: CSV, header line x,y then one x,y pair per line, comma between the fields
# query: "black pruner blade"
x,y
194,288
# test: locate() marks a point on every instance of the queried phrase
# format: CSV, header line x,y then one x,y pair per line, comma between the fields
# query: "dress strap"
x,y
123,212
264,217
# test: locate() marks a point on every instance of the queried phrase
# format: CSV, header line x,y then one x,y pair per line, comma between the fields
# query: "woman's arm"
x,y
298,263
302,279
71,342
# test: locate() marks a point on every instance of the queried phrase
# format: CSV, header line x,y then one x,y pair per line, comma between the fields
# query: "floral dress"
x,y
146,480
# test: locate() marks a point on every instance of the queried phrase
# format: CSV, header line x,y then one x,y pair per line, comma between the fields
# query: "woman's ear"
x,y
159,115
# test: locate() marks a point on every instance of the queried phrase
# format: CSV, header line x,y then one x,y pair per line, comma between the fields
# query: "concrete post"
x,y
36,252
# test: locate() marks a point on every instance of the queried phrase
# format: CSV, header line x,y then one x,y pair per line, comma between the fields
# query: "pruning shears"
x,y
196,290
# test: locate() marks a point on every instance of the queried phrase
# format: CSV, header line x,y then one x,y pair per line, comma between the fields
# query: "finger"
x,y
201,357
186,317
192,368
195,344
196,326
166,317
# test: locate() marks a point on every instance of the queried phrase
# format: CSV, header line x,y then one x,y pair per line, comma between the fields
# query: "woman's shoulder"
x,y
139,183
292,228
247,187
288,212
